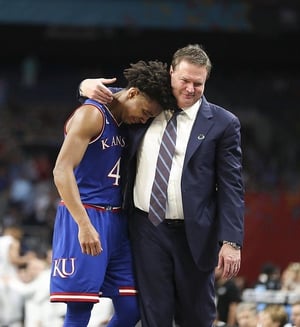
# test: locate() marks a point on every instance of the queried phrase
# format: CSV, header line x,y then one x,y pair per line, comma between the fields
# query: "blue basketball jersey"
x,y
78,277
98,174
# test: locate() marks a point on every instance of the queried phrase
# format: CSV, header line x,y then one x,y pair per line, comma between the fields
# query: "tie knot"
x,y
177,111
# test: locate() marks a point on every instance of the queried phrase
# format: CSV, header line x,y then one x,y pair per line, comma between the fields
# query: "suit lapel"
x,y
201,126
135,135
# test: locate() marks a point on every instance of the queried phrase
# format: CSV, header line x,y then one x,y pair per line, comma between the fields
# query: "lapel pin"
x,y
201,137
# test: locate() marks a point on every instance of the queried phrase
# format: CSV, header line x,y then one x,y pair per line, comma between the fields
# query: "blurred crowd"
x,y
24,286
272,301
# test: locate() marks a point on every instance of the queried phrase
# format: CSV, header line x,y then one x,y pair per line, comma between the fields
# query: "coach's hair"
x,y
193,54
153,79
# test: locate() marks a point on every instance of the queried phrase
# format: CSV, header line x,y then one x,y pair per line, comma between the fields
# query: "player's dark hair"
x,y
153,79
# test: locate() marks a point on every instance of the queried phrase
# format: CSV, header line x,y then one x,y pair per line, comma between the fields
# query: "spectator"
x,y
269,277
295,315
10,251
290,277
246,314
11,303
273,315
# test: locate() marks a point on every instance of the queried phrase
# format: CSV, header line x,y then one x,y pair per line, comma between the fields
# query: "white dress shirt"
x,y
147,157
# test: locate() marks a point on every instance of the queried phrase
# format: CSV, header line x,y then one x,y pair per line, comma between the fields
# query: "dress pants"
x,y
170,284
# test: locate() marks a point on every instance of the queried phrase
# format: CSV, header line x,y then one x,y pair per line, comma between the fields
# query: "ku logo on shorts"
x,y
63,267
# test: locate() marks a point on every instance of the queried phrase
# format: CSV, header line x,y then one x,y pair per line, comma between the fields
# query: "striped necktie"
x,y
158,199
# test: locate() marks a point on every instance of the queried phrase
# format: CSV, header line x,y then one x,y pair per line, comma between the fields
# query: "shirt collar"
x,y
191,111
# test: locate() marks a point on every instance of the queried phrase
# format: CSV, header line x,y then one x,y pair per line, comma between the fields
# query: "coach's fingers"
x,y
102,93
108,80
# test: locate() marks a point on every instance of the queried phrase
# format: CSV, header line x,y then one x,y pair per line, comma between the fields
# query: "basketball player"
x,y
91,251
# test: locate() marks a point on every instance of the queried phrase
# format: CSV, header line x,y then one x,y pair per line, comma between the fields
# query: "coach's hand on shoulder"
x,y
94,88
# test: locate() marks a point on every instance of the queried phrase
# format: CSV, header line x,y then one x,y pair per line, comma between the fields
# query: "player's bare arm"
x,y
86,123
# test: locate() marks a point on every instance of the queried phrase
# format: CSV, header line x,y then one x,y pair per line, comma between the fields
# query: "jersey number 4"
x,y
115,173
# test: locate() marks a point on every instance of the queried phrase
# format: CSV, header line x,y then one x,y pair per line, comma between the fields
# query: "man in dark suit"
x,y
204,225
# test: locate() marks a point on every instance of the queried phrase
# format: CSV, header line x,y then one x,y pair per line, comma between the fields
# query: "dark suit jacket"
x,y
211,183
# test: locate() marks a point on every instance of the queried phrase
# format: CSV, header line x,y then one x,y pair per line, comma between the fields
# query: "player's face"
x,y
139,109
188,82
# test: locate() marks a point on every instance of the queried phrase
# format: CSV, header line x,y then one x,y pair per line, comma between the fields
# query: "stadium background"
x,y
48,47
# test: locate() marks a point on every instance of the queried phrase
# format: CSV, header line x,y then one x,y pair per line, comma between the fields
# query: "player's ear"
x,y
132,92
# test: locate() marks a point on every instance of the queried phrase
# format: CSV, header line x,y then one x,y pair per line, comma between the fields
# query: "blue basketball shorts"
x,y
78,277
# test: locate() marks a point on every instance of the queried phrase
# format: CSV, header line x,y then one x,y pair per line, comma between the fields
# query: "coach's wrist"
x,y
232,244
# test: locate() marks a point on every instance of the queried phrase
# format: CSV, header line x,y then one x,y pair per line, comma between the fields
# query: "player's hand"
x,y
89,240
95,88
229,261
